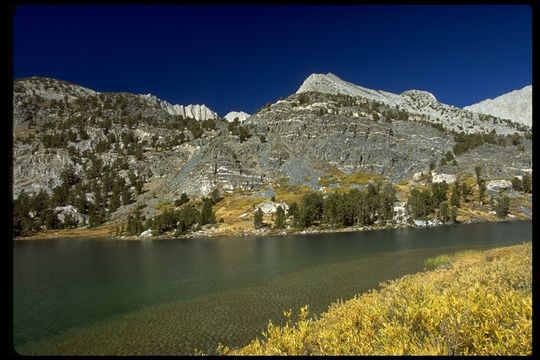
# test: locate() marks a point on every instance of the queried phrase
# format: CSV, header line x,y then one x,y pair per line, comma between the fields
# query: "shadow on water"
x,y
169,297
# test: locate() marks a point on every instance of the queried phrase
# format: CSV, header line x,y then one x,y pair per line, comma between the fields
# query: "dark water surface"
x,y
172,296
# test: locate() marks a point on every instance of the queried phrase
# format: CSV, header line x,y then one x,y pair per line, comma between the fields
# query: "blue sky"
x,y
241,57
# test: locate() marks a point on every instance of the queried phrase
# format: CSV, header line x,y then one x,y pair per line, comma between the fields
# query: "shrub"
x,y
478,306
437,261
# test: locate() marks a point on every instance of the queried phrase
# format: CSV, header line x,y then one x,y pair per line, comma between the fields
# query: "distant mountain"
x,y
331,84
236,114
418,102
100,156
197,112
515,105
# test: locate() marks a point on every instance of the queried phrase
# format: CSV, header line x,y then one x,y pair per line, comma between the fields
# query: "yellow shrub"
x,y
480,305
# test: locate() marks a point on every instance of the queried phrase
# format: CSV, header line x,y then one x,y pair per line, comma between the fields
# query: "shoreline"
x,y
75,235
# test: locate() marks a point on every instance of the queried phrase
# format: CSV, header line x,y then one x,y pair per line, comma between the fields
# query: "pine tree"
x,y
183,199
280,218
258,219
502,205
444,212
454,195
481,190
465,191
207,215
420,203
477,170
216,197
387,198
294,213
453,214
517,184
439,191
526,183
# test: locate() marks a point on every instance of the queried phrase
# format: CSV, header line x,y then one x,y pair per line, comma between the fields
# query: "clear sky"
x,y
241,57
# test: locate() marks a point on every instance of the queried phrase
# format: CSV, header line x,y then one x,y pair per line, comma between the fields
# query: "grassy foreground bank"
x,y
473,303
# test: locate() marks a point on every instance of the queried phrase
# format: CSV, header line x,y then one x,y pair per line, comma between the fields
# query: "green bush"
x,y
437,261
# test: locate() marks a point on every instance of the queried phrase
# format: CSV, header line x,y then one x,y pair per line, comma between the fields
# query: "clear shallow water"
x,y
171,296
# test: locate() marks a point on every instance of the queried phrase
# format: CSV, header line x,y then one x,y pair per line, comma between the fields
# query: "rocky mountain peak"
x,y
49,89
419,94
242,116
331,84
515,105
197,112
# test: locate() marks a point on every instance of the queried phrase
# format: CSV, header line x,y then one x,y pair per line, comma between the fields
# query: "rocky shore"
x,y
101,234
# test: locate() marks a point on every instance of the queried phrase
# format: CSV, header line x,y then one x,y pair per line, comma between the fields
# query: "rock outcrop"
x,y
240,115
197,112
515,105
270,207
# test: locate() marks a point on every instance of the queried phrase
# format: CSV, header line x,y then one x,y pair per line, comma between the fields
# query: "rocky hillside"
x,y
107,154
515,105
417,102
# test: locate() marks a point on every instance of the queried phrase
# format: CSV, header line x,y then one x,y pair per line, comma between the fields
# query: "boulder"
x,y
70,210
270,207
400,213
439,178
497,185
146,233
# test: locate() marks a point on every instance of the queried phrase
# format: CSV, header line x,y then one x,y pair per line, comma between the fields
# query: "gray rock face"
x,y
420,104
302,138
515,105
70,210
197,112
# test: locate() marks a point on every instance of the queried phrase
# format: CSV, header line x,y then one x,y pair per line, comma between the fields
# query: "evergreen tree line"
x,y
188,218
524,184
435,201
466,142
109,192
356,207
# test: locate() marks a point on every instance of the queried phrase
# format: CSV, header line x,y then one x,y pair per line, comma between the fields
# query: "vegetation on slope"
x,y
478,303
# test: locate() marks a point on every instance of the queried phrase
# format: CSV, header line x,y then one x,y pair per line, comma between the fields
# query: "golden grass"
x,y
403,192
480,304
344,181
102,231
290,193
233,206
164,206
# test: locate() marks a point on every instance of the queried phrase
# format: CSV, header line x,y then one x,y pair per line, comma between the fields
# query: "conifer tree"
x,y
481,190
207,214
258,219
280,218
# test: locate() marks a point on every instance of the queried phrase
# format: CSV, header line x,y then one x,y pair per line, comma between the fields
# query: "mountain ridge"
x,y
107,154
515,105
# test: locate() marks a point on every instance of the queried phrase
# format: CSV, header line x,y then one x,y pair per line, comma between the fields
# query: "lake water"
x,y
174,296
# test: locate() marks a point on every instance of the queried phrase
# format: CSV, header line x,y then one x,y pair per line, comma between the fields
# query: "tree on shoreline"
x,y
280,218
258,219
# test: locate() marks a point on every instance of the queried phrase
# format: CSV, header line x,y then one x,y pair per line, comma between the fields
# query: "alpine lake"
x,y
184,296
